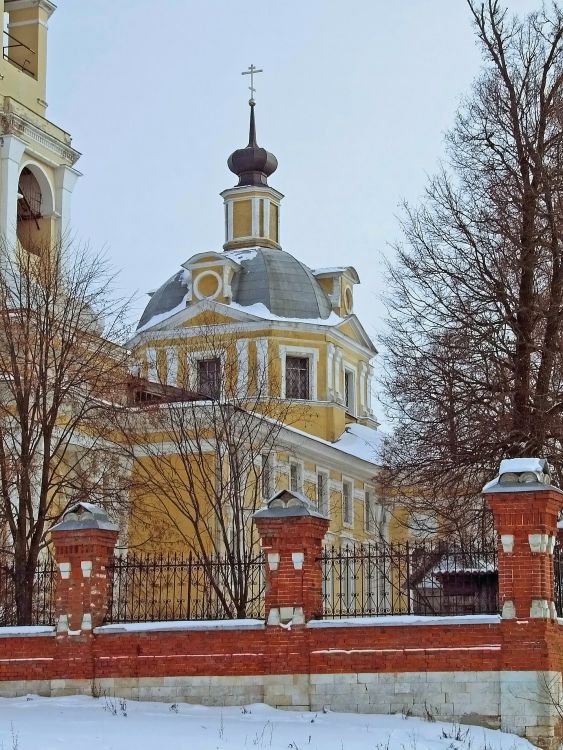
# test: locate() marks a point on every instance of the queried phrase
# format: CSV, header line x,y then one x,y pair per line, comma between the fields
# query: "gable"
x,y
208,318
353,329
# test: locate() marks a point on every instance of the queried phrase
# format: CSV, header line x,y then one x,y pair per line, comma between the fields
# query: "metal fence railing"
x,y
152,588
390,579
43,598
358,580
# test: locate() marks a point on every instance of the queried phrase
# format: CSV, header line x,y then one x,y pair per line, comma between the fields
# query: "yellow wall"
x,y
242,218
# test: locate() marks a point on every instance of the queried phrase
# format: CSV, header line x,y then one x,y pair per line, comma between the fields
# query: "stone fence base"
x,y
448,669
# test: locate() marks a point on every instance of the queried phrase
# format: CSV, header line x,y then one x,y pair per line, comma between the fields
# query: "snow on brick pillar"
x,y
84,542
292,531
525,509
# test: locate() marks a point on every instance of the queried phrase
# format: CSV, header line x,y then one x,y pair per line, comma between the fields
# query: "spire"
x,y
252,131
252,165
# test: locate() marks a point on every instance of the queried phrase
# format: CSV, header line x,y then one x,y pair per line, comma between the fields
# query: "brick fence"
x,y
494,670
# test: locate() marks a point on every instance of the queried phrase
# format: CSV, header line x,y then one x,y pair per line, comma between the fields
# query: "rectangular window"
x,y
295,477
350,391
322,492
369,512
209,377
297,377
267,477
347,503
152,365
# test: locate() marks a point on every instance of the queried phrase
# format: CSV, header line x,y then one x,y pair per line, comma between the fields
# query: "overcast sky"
x,y
354,101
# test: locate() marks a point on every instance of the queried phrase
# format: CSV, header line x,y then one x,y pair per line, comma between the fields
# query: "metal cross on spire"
x,y
252,69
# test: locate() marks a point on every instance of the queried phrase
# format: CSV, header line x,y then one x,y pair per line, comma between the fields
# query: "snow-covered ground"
x,y
107,723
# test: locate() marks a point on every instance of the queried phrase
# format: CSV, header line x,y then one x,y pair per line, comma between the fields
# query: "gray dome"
x,y
282,283
269,276
166,298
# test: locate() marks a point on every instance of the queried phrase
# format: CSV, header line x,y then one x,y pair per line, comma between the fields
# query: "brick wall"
x,y
498,671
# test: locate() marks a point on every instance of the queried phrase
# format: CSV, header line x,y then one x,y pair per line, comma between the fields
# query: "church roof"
x,y
272,277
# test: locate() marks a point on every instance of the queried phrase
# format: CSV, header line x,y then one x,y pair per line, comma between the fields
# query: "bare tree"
x,y
204,459
61,363
475,315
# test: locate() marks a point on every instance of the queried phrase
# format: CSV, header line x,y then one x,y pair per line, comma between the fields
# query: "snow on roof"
x,y
357,440
361,441
510,466
260,310
239,255
185,280
334,269
519,465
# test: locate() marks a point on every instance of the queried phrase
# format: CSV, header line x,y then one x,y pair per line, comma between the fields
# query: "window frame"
x,y
323,504
217,379
350,404
306,371
312,354
267,475
299,467
349,482
192,360
369,511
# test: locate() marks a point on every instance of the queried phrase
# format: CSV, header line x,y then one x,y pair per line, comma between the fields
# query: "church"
x,y
251,323
250,372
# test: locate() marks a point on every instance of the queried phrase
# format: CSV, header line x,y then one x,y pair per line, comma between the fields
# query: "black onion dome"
x,y
253,164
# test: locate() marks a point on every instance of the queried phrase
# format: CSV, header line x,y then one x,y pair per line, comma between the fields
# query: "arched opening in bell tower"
x,y
35,210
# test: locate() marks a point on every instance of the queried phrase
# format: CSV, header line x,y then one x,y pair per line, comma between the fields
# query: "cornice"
x,y
242,327
12,124
46,5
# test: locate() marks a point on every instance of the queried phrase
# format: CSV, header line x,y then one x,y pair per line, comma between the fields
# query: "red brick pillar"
x,y
292,531
525,511
84,542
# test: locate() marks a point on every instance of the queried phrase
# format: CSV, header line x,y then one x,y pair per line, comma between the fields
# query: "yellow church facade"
x,y
247,324
253,325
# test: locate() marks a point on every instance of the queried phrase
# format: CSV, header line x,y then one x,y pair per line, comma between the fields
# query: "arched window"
x,y
34,210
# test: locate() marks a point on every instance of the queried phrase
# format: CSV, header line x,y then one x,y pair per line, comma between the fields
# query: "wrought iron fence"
x,y
391,579
153,588
358,580
43,601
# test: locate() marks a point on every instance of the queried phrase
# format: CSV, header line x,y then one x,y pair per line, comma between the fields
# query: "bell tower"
x,y
252,207
37,174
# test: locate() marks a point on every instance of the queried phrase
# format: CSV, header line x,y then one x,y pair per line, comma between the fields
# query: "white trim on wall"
x,y
171,365
350,482
242,367
262,364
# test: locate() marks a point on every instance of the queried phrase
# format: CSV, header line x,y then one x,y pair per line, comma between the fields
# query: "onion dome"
x,y
253,164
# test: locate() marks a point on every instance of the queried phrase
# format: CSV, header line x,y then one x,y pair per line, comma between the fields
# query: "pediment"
x,y
353,329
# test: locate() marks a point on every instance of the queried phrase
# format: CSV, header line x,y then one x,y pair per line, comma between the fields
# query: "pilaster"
x,y
11,153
